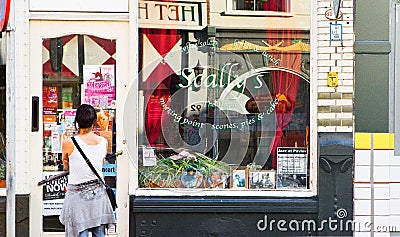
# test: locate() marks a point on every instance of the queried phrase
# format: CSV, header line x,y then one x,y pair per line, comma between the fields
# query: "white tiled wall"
x,y
383,205
362,173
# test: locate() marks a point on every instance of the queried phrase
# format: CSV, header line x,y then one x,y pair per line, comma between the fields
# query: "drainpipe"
x,y
11,122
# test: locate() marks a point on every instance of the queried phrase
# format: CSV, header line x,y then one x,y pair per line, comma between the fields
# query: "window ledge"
x,y
232,204
255,13
229,192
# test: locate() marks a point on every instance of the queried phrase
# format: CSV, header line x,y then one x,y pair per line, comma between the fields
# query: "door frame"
x,y
118,30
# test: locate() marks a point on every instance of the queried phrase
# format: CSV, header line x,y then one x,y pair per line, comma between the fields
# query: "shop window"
x,y
261,5
233,115
76,69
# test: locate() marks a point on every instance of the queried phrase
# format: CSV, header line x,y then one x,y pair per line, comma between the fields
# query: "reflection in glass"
x,y
76,69
249,100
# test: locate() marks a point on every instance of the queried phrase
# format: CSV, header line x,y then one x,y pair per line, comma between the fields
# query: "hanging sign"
x,y
330,15
336,8
334,13
4,14
173,14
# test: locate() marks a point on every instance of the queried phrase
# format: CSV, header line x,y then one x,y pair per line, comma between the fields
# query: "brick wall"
x,y
335,104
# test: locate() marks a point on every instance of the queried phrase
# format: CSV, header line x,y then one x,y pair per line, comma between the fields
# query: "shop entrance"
x,y
72,64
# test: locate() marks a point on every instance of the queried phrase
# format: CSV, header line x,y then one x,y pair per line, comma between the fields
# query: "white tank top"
x,y
79,170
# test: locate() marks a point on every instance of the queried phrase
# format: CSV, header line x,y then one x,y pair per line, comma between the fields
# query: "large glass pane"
x,y
77,69
227,107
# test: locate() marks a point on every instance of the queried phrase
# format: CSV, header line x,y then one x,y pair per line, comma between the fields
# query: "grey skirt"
x,y
85,206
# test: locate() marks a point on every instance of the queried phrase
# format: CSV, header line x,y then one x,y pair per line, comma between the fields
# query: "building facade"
x,y
376,141
233,117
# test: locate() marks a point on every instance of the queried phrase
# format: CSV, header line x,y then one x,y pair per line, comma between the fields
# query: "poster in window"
x,y
67,95
292,167
50,97
53,194
262,179
65,128
66,119
149,157
239,177
48,128
105,120
99,85
50,150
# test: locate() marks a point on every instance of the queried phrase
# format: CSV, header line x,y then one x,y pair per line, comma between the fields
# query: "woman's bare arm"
x,y
67,148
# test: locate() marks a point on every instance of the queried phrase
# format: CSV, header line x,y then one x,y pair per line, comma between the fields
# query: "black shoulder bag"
x,y
110,192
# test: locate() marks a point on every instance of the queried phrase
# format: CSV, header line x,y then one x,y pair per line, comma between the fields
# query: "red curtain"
x,y
284,84
275,5
153,104
157,85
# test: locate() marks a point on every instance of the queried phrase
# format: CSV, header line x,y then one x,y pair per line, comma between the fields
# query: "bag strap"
x,y
87,160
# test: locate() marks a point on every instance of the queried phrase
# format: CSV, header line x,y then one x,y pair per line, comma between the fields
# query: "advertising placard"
x,y
53,194
99,85
292,167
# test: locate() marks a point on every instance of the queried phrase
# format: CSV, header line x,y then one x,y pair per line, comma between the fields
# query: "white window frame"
x,y
231,11
50,29
312,191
